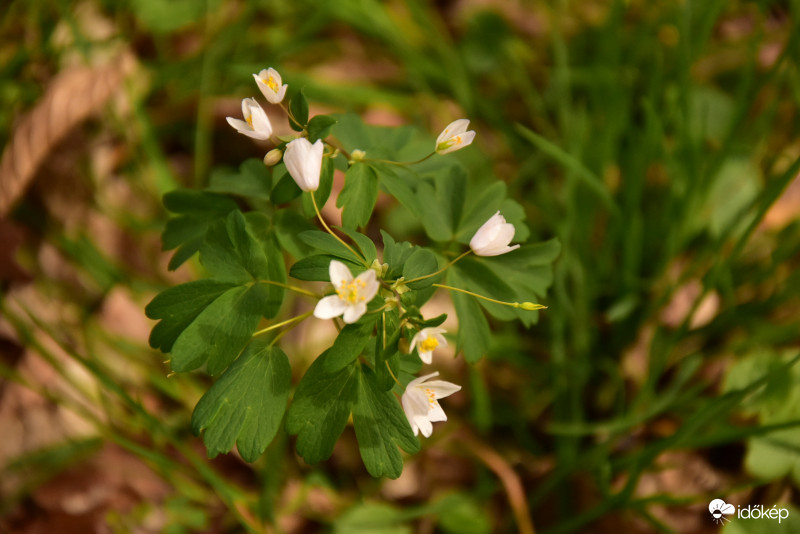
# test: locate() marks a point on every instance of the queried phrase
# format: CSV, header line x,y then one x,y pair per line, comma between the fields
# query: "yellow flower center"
x,y
272,84
431,396
249,120
348,291
429,344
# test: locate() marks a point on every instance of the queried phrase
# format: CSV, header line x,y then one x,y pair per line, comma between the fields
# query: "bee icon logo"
x,y
719,509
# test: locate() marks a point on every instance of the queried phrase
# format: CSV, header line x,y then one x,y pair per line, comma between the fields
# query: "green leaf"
x,y
262,229
460,514
480,209
442,205
298,111
220,331
196,211
252,181
321,407
178,306
231,253
246,405
317,268
325,242
320,126
288,224
481,279
422,262
473,330
376,141
358,196
387,356
395,255
381,427
370,518
398,186
531,269
364,243
349,344
285,190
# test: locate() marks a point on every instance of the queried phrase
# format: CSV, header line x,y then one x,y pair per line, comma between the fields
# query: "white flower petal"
x,y
493,237
329,307
442,388
426,356
424,425
353,312
435,413
371,285
339,273
418,381
454,128
304,162
261,121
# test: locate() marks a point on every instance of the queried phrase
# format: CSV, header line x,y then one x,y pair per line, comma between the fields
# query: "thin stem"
x,y
341,149
524,305
443,269
391,373
400,163
339,239
283,323
292,288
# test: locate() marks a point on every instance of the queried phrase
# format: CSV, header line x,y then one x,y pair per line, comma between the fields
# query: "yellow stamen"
x,y
429,344
348,291
272,84
249,120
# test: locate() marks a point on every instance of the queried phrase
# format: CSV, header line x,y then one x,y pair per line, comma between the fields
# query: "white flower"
x,y
304,162
428,339
352,294
420,402
493,237
269,81
454,137
255,124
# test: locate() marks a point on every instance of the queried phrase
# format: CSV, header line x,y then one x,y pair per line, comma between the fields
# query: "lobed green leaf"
x,y
381,427
178,306
321,407
246,405
358,196
220,331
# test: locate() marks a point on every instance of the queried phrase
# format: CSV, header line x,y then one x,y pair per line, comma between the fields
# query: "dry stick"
x,y
508,477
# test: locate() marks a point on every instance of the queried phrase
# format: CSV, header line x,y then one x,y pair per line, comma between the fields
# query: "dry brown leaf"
x,y
72,97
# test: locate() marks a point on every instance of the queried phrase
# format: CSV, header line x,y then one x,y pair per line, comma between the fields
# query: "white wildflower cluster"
x,y
352,295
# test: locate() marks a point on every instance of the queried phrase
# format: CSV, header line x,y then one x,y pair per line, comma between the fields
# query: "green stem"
x,y
292,288
530,306
339,239
389,368
284,323
443,269
400,163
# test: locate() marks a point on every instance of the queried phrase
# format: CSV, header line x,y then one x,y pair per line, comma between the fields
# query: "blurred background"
x,y
657,140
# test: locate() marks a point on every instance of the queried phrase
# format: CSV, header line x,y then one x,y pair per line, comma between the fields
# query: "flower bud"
x,y
269,82
493,237
273,156
454,137
304,162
